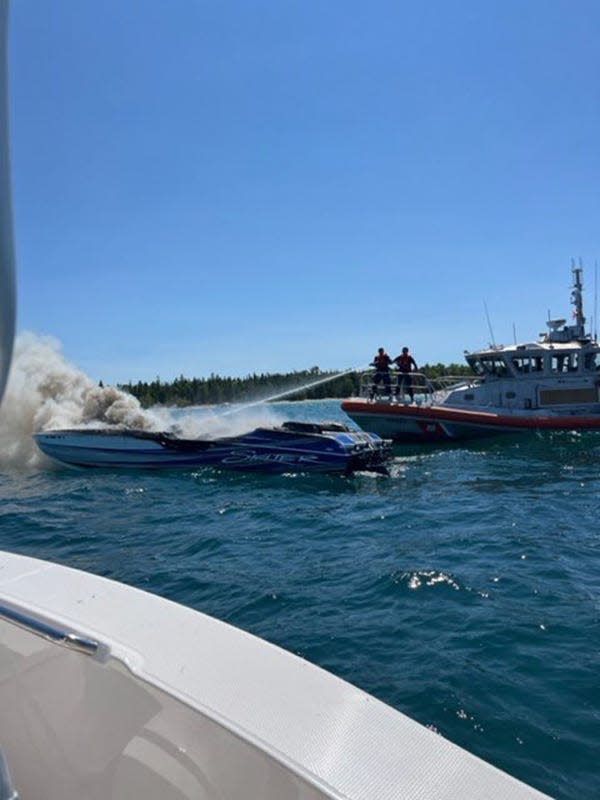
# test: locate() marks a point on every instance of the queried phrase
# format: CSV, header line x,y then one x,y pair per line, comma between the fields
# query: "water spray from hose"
x,y
291,392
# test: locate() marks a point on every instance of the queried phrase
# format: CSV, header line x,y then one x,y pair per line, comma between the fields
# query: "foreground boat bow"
x,y
108,691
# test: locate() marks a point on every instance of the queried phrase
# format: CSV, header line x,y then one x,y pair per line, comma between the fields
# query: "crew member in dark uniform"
x,y
382,363
406,364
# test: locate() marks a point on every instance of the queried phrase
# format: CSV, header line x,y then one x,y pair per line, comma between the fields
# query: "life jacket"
x,y
382,362
404,362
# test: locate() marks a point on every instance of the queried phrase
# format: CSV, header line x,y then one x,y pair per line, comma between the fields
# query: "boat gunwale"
x,y
435,413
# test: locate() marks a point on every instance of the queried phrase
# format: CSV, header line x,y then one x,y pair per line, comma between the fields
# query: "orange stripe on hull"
x,y
458,416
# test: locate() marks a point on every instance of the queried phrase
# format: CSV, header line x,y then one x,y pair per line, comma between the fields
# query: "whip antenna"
x,y
489,324
596,300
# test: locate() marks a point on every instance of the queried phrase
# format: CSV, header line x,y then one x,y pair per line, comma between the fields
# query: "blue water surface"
x,y
463,589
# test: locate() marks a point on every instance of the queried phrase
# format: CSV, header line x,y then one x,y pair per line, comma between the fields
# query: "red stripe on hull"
x,y
437,414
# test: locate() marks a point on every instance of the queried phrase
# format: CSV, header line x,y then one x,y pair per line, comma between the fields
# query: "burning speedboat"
x,y
293,446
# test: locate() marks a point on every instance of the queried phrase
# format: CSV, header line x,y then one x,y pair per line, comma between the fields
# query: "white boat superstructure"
x,y
557,374
549,384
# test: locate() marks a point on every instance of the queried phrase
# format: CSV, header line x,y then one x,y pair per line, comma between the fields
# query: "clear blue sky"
x,y
234,186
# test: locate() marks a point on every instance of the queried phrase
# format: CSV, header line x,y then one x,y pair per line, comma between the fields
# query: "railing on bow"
x,y
413,387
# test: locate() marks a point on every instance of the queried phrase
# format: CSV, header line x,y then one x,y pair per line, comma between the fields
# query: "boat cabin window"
x,y
559,363
475,365
524,364
490,365
590,362
566,362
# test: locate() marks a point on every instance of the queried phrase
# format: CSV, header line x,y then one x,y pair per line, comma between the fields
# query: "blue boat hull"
x,y
298,447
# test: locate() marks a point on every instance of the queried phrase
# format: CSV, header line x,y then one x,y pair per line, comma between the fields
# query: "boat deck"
x,y
165,702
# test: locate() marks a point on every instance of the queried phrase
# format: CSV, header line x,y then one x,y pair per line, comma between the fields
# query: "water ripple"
x,y
463,589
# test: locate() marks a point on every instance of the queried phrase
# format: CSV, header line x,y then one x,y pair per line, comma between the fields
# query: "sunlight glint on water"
x,y
463,589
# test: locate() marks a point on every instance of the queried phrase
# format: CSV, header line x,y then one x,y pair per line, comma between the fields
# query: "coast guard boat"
x,y
107,691
299,446
552,384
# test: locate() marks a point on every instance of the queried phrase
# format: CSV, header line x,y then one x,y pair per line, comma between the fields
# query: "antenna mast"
x,y
596,301
489,324
576,299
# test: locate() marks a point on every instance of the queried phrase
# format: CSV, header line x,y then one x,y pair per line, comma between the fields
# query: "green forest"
x,y
309,384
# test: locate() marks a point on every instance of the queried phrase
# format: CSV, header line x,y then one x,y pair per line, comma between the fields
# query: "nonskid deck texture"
x,y
161,701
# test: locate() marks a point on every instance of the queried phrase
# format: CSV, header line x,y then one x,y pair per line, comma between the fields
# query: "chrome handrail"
x,y
62,637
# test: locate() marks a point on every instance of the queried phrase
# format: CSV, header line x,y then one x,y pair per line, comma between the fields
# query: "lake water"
x,y
463,589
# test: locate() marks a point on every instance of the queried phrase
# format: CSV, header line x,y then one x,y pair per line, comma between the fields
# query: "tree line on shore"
x,y
309,384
